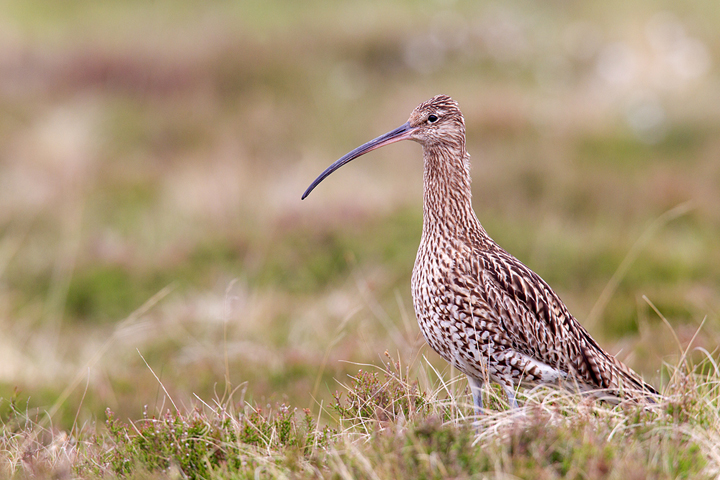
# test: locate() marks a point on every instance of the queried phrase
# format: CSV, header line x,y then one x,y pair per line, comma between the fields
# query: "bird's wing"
x,y
540,325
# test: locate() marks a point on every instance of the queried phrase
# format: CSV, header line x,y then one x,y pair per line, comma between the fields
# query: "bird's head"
x,y
435,122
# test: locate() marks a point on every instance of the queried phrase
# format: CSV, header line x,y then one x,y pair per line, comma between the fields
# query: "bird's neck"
x,y
447,196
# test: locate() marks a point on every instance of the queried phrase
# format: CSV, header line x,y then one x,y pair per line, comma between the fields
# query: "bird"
x,y
481,309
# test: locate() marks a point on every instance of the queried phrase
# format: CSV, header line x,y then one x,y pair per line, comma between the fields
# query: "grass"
x,y
383,424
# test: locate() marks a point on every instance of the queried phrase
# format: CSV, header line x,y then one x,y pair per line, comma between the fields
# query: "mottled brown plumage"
x,y
479,307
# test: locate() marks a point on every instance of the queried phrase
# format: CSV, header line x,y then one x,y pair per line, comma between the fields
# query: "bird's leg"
x,y
476,390
510,393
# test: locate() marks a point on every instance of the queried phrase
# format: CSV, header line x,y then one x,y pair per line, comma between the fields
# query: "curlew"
x,y
480,308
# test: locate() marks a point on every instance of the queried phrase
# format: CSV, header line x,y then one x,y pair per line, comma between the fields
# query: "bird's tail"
x,y
617,379
633,387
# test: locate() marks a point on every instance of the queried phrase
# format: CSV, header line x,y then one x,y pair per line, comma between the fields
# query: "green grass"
x,y
384,425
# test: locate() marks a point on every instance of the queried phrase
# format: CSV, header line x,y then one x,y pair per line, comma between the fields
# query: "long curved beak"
x,y
403,132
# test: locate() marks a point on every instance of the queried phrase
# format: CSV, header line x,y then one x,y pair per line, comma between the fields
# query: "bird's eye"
x,y
432,118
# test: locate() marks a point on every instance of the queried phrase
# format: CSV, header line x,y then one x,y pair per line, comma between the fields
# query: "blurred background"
x,y
153,154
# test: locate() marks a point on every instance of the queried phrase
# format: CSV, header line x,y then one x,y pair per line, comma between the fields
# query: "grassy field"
x,y
156,261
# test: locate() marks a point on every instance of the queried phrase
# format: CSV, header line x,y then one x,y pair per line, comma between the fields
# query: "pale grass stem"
x,y
129,321
177,410
339,334
227,308
683,351
597,310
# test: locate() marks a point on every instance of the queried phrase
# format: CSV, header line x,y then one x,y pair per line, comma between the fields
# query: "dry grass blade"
x,y
167,394
674,213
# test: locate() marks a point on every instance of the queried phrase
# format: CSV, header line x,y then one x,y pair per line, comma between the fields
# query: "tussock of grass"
x,y
198,443
387,426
